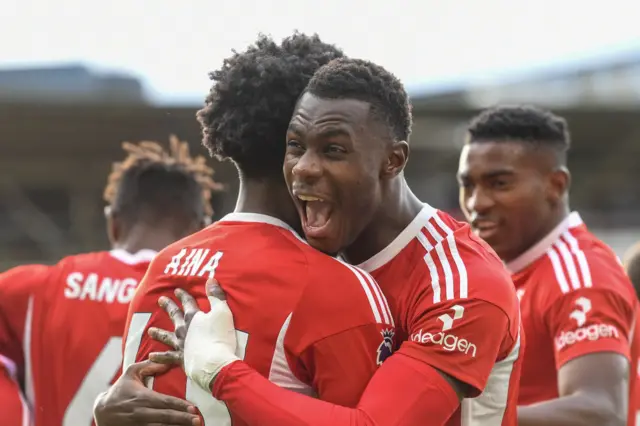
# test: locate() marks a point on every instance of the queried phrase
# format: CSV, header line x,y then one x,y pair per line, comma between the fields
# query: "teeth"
x,y
308,198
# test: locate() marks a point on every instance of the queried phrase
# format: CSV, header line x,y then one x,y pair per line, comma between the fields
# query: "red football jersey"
x,y
63,329
15,411
457,309
305,320
575,300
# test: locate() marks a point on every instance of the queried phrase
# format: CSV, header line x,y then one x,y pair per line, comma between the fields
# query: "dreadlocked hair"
x,y
152,183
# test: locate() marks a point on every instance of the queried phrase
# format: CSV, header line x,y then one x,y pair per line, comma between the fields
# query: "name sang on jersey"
x,y
91,286
194,262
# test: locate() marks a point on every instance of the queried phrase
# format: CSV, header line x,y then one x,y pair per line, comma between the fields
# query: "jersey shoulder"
x,y
344,295
576,261
479,270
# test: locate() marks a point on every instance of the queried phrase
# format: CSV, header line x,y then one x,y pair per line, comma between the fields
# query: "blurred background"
x,y
78,78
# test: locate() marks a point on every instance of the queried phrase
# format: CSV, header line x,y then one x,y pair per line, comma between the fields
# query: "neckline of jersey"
x,y
407,235
573,220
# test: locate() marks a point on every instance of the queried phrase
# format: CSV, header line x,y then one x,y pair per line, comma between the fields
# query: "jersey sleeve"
x,y
403,391
338,357
17,286
462,338
15,411
590,320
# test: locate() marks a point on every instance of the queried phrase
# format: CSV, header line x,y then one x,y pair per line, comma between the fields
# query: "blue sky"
x,y
428,43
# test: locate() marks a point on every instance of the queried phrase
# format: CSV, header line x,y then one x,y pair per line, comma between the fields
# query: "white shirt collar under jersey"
x,y
142,256
259,218
400,242
541,247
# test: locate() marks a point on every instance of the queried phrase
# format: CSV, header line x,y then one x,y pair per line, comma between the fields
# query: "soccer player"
x,y
454,303
306,321
578,307
61,325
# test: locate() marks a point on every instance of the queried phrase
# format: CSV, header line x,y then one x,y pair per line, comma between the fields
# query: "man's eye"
x,y
335,149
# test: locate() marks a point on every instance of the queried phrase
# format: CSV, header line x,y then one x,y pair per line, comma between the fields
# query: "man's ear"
x,y
113,225
559,183
396,159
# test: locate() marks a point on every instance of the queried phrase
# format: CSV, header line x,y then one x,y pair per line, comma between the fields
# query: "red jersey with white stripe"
x,y
456,307
15,411
575,300
305,320
62,327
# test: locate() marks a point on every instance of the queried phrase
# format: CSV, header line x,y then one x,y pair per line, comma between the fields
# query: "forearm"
x,y
572,410
396,395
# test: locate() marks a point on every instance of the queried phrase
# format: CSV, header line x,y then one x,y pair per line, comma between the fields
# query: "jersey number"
x,y
98,378
214,412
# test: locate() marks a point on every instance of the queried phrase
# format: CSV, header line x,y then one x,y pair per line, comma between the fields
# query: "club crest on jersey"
x,y
385,350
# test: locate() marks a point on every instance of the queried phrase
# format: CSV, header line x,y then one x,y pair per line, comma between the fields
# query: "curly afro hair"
x,y
346,78
248,109
520,123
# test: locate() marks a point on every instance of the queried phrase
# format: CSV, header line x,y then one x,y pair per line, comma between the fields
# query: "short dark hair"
x,y
153,184
247,111
347,78
525,123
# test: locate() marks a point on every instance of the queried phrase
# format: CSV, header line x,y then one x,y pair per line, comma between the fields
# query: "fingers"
x,y
153,369
215,292
163,336
189,304
173,310
167,357
164,417
143,369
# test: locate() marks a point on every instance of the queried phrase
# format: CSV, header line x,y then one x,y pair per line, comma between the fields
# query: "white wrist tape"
x,y
210,343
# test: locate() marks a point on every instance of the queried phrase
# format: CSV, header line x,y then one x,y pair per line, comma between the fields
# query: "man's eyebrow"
x,y
336,131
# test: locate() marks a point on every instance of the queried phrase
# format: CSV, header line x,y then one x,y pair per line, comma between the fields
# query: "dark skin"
x,y
514,195
339,151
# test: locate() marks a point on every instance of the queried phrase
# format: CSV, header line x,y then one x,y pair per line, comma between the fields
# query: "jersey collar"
x,y
142,256
256,218
540,248
401,241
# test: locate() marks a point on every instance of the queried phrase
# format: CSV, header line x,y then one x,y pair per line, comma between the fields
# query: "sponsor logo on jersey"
x,y
590,333
449,342
385,350
583,307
